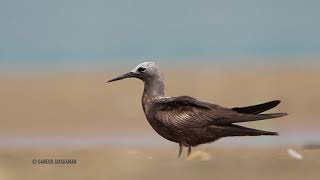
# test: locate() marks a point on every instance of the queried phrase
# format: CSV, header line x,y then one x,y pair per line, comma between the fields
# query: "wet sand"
x,y
110,163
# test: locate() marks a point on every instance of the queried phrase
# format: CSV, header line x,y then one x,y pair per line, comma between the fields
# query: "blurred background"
x,y
55,57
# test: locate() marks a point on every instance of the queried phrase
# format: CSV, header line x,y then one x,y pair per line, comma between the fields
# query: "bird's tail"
x,y
253,113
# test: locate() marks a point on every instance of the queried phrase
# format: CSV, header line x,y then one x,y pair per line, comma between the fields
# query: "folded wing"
x,y
185,112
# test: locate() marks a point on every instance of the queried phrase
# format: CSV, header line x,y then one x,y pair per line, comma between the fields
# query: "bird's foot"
x,y
180,150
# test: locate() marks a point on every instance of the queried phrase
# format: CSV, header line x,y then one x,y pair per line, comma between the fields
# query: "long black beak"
x,y
123,76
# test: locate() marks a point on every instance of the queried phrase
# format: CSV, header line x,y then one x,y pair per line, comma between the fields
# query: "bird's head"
x,y
144,71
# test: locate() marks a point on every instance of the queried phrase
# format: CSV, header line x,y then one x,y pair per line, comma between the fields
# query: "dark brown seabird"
x,y
188,121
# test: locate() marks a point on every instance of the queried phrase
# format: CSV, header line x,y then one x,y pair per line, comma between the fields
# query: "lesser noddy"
x,y
188,121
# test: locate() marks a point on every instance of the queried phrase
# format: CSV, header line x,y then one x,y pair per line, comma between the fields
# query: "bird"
x,y
190,122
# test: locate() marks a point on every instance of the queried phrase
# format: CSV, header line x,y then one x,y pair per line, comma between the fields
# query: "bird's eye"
x,y
142,69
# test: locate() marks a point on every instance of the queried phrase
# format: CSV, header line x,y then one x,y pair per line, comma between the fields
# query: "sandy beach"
x,y
59,115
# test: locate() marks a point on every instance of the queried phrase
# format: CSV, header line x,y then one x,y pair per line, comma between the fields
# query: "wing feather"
x,y
183,112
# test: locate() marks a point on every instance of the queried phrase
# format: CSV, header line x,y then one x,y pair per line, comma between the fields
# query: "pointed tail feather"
x,y
256,109
270,116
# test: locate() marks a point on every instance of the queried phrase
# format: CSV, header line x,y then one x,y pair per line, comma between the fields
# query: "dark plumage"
x,y
190,122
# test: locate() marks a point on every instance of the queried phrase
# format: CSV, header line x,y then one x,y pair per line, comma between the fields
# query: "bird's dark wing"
x,y
181,112
185,112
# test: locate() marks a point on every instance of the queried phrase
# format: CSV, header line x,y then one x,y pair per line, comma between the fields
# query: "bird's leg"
x,y
180,150
189,151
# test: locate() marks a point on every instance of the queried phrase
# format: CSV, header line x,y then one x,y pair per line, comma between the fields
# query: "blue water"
x,y
77,33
